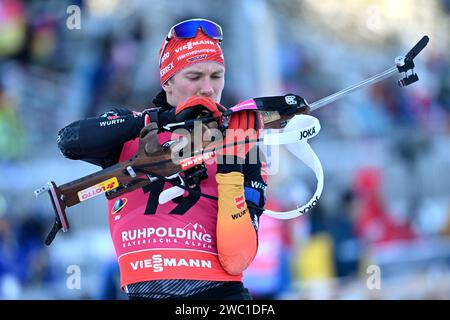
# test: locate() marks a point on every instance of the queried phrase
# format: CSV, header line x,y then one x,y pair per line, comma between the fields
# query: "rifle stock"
x,y
116,180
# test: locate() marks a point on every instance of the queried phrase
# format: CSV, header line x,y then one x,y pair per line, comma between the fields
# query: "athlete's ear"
x,y
168,86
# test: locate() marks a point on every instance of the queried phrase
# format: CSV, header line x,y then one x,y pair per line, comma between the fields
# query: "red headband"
x,y
180,53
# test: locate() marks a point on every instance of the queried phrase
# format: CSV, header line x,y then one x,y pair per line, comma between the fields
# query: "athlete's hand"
x,y
197,106
241,136
148,136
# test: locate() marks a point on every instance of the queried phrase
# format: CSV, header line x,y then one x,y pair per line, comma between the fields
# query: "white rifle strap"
x,y
295,136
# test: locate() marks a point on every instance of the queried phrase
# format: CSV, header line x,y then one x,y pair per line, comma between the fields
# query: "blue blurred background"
x,y
384,150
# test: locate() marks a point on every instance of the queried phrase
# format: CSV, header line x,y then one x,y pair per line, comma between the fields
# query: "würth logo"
x,y
239,215
114,120
240,202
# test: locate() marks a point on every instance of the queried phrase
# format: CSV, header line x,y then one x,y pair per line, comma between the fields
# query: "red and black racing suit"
x,y
171,251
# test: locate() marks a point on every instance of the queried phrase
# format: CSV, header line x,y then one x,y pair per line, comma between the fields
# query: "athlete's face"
x,y
204,79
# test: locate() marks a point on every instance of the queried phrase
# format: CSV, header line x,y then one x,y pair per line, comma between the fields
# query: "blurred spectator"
x,y
110,282
43,42
9,284
342,230
373,223
11,130
33,266
314,259
445,231
12,27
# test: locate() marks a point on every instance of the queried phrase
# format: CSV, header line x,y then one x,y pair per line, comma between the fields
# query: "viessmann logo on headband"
x,y
192,44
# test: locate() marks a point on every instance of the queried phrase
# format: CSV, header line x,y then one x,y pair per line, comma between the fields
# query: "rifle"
x,y
152,161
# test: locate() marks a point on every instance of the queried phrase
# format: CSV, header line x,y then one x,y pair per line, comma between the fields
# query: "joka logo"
x,y
307,133
240,202
118,205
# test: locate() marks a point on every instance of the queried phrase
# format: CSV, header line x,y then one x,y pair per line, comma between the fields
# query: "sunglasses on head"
x,y
189,28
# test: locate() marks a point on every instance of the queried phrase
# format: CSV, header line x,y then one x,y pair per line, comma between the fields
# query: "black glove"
x,y
160,117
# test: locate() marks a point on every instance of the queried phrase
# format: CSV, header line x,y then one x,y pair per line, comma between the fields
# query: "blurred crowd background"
x,y
385,209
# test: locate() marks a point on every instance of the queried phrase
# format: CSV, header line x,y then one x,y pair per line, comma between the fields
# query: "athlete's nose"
x,y
206,89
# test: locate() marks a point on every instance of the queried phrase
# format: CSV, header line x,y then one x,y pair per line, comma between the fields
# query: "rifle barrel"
x,y
338,95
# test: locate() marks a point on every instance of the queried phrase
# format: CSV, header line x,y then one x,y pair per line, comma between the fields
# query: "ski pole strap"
x,y
295,136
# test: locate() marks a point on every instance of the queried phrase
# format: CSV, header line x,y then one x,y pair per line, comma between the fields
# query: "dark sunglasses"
x,y
189,28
